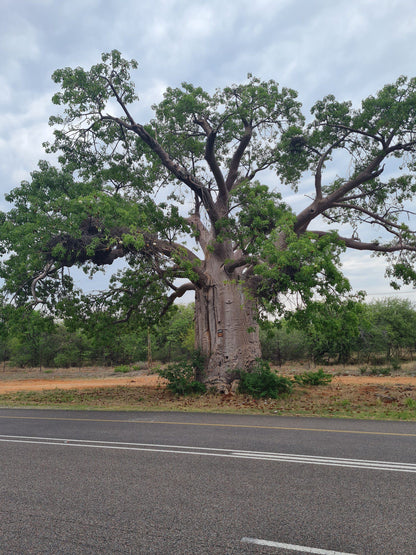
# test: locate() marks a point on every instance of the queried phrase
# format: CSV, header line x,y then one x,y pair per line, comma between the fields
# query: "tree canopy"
x,y
181,198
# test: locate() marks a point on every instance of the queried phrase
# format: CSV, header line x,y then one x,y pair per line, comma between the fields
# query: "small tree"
x,y
283,343
29,338
189,178
331,330
388,327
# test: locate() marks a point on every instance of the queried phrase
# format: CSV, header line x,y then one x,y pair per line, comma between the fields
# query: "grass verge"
x,y
349,401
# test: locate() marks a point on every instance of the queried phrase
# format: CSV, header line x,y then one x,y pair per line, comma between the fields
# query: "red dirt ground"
x,y
37,384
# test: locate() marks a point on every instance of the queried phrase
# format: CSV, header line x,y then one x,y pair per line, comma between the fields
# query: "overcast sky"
x,y
350,48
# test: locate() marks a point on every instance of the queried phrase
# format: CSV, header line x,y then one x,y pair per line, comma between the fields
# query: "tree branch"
x,y
242,261
367,174
350,130
177,294
210,153
318,172
204,237
319,206
106,251
376,217
250,176
238,154
174,168
374,246
47,270
118,98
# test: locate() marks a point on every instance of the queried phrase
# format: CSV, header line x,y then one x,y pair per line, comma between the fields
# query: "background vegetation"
x,y
383,331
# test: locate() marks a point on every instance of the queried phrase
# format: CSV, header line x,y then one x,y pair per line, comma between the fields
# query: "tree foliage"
x,y
331,330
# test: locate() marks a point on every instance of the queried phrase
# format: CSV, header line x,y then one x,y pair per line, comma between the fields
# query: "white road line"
x,y
54,439
374,465
291,547
317,458
216,452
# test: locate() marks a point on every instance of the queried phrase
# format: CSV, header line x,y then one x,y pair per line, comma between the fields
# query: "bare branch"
x,y
210,153
376,217
319,206
250,176
321,162
46,271
350,130
242,261
374,246
204,236
177,294
238,154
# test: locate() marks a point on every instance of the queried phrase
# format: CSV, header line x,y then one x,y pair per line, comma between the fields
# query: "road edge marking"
x,y
291,547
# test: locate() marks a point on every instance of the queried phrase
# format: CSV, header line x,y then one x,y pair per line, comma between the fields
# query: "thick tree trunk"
x,y
226,330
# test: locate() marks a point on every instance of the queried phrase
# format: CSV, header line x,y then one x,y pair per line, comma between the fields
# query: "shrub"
x,y
62,360
395,364
262,382
380,371
281,345
184,377
313,378
123,369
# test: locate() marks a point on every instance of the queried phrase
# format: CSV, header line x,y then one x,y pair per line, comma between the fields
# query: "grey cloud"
x,y
347,47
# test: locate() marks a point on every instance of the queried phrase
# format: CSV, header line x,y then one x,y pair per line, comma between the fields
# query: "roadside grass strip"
x,y
216,452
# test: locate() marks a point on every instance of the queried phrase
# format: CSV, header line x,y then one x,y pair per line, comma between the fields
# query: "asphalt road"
x,y
176,483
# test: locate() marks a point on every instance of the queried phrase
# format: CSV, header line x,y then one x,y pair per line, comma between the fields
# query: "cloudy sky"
x,y
349,48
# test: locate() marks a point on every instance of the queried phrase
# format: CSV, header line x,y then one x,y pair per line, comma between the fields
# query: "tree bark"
x,y
226,330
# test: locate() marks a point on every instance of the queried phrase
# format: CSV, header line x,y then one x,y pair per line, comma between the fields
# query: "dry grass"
x,y
350,394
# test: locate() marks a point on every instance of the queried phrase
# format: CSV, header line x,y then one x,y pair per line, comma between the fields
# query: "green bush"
x,y
123,369
313,378
395,364
184,378
380,371
283,344
410,403
262,382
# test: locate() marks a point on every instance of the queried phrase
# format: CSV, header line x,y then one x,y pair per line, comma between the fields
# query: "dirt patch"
x,y
78,383
372,380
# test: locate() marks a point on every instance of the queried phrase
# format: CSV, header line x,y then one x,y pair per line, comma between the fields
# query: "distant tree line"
x,y
356,332
376,332
32,339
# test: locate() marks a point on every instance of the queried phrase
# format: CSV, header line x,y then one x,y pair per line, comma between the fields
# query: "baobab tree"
x,y
180,199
